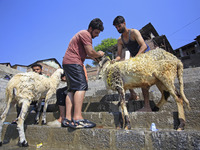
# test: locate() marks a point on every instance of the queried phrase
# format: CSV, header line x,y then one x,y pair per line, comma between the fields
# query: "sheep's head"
x,y
102,65
58,73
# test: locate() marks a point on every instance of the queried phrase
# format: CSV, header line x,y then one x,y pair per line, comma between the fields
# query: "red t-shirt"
x,y
75,53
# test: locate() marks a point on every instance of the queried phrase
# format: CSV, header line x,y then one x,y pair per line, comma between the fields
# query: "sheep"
x,y
156,67
24,88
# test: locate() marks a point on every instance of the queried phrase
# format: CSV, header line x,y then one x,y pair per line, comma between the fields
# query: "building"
x,y
21,68
189,53
6,64
48,66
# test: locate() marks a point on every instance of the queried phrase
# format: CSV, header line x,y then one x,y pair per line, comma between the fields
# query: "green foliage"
x,y
105,45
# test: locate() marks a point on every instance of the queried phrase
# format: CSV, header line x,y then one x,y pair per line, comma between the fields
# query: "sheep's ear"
x,y
99,59
108,57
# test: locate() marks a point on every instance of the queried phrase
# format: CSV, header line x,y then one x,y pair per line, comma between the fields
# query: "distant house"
x,y
190,53
88,66
6,64
153,39
49,66
21,68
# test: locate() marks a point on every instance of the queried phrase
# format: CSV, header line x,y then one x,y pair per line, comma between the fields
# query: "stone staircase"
x,y
101,107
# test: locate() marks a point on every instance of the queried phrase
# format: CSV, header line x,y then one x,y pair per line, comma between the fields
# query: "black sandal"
x,y
66,122
82,123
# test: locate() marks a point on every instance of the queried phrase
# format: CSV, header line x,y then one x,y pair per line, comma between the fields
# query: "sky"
x,y
32,30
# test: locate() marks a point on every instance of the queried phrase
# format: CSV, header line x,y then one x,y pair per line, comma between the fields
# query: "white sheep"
x,y
154,67
24,88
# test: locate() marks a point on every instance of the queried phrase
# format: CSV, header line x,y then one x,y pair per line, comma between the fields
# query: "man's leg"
x,y
69,105
62,113
61,98
57,122
146,108
133,95
78,102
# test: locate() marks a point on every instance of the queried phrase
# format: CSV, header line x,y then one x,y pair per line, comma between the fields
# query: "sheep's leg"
x,y
164,97
171,89
38,109
181,115
3,118
125,115
180,78
49,94
20,124
162,101
44,122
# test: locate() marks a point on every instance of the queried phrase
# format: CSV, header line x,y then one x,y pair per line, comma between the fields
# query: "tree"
x,y
104,46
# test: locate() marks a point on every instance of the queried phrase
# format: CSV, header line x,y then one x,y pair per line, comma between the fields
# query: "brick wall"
x,y
151,44
92,73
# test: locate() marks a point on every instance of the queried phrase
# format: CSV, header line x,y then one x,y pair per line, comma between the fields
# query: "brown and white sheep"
x,y
154,67
24,88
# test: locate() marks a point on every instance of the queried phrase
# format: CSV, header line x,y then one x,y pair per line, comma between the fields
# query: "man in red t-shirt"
x,y
80,48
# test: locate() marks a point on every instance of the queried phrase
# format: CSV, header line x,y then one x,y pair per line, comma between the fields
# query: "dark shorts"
x,y
61,94
75,75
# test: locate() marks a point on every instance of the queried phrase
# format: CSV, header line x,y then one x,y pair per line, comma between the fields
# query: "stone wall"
x,y
191,61
3,82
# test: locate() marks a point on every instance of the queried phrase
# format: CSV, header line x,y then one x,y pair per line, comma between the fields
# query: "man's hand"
x,y
113,61
118,58
101,53
93,59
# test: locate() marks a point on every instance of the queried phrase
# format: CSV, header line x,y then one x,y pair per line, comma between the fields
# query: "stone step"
x,y
109,102
97,91
162,119
190,71
55,138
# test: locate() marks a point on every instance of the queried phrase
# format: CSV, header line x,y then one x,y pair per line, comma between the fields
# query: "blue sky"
x,y
32,30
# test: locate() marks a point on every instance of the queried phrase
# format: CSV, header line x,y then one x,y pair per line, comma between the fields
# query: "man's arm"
x,y
135,34
88,57
119,49
92,53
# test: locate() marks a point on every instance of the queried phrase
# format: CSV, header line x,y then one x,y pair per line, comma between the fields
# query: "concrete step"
x,y
55,138
191,71
162,119
109,102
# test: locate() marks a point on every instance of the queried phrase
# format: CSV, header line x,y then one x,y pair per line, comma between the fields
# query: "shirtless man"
x,y
134,42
